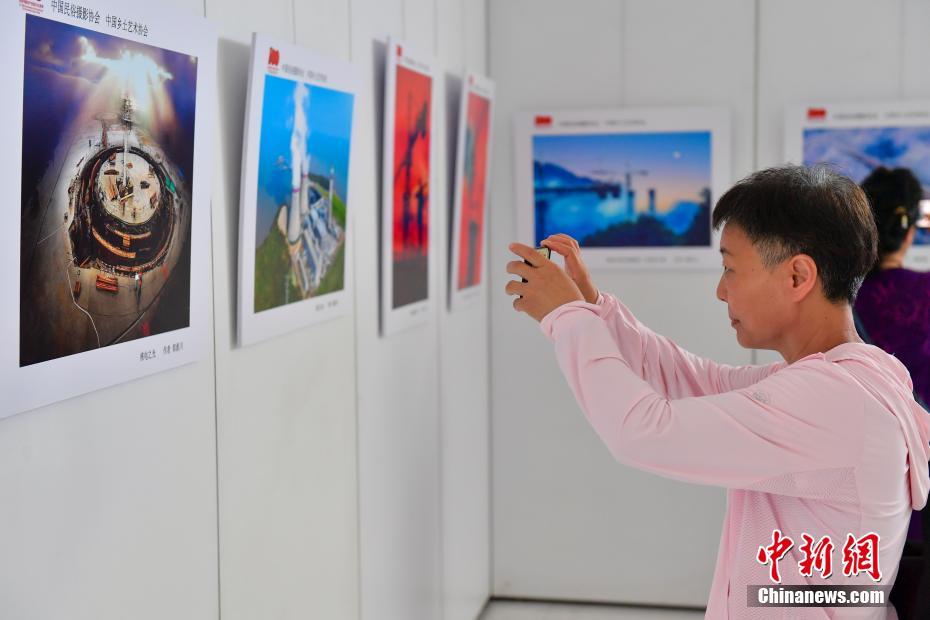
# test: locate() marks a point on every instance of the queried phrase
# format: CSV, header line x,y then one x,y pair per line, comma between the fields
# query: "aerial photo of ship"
x,y
108,142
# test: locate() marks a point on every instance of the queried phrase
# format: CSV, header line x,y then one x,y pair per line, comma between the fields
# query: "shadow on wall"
x,y
233,63
379,57
453,96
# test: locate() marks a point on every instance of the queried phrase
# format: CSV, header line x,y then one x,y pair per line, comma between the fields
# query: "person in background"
x,y
893,311
893,305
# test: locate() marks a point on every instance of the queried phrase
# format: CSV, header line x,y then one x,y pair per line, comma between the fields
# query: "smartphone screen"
x,y
542,250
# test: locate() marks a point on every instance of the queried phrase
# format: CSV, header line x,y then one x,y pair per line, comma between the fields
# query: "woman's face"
x,y
755,296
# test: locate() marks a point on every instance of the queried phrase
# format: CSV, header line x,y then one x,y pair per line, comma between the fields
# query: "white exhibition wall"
x,y
332,473
568,522
329,473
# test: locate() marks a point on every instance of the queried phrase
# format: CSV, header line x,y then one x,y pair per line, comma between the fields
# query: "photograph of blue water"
x,y
624,190
856,151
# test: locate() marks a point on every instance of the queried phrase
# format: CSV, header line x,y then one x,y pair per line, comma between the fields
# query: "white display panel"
x,y
295,224
108,126
407,191
467,266
635,186
856,138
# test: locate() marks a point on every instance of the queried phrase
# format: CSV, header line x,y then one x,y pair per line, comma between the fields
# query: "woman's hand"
x,y
569,249
546,288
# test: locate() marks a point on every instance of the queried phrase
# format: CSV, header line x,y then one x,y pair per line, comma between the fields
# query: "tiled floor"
x,y
513,610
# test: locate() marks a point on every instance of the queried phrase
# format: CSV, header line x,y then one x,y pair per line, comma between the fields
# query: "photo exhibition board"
x,y
406,199
295,219
635,186
855,139
470,199
108,127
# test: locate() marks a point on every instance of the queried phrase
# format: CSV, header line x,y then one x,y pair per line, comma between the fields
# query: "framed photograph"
x,y
108,129
634,186
855,139
294,225
406,295
472,170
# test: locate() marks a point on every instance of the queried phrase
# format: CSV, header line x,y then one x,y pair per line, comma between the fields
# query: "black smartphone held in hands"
x,y
542,250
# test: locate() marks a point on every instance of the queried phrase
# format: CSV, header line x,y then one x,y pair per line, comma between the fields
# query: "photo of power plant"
x,y
106,190
301,203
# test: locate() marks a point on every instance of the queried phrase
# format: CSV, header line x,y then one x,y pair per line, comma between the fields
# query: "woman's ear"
x,y
803,276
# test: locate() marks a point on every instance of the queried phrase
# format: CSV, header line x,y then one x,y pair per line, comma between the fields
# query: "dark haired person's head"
x,y
797,243
895,199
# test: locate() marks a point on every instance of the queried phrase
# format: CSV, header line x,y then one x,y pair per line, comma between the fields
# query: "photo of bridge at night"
x,y
106,196
621,190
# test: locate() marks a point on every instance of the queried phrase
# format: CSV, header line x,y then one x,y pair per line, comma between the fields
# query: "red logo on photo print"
x,y
400,51
816,114
274,57
32,6
543,121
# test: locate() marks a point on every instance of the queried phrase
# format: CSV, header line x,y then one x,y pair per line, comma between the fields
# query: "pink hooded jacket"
x,y
833,444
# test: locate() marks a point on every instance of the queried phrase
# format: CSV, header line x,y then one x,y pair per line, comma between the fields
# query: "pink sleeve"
x,y
671,370
803,418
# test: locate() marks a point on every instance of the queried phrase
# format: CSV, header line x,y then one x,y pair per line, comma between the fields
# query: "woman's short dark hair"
x,y
895,198
790,210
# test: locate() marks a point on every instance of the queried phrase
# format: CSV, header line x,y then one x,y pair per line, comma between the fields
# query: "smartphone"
x,y
542,250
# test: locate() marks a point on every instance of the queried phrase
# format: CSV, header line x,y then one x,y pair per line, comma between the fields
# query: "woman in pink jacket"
x,y
824,455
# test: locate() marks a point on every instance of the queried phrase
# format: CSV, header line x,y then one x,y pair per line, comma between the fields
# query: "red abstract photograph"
x,y
411,187
475,170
